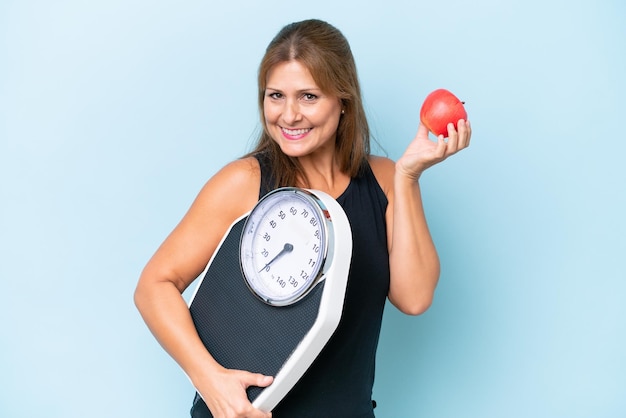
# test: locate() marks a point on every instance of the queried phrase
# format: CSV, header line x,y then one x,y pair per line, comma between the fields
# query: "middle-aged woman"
x,y
315,135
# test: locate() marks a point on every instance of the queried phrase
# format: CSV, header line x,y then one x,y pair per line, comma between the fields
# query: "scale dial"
x,y
284,244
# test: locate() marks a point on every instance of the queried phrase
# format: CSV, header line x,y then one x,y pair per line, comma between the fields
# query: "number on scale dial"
x,y
284,245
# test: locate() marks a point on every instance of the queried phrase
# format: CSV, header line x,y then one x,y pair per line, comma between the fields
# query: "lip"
x,y
294,134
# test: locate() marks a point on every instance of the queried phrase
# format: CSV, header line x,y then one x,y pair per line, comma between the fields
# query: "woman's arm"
x,y
179,260
413,259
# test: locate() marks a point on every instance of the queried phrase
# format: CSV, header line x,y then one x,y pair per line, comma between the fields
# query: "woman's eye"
x,y
275,95
309,96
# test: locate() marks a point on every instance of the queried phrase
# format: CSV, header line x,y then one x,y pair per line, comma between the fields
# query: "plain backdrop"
x,y
114,113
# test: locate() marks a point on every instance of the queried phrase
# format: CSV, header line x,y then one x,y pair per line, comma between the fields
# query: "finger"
x,y
463,133
257,413
251,413
453,139
441,147
422,130
257,379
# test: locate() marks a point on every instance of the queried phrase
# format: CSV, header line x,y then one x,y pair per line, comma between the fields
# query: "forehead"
x,y
290,74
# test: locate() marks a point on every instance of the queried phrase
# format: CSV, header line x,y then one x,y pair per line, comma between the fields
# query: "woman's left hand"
x,y
423,153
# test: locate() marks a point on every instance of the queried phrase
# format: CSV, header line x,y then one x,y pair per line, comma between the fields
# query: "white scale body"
x,y
272,294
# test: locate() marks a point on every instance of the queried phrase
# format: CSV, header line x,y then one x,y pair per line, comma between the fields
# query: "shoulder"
x,y
384,170
242,173
230,192
224,198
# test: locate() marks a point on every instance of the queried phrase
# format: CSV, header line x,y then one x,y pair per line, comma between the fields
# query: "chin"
x,y
293,153
292,148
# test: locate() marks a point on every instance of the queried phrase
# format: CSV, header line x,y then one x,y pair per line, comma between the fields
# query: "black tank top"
x,y
339,382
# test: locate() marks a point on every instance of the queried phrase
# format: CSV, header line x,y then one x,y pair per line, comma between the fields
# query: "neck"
x,y
323,173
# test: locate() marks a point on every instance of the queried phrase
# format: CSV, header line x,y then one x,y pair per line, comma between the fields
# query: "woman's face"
x,y
298,115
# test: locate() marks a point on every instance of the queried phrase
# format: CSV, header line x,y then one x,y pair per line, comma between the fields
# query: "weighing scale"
x,y
272,294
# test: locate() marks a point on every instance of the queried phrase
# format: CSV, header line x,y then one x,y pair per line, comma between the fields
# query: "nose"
x,y
291,112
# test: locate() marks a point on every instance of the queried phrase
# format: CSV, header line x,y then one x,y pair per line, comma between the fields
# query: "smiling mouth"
x,y
295,132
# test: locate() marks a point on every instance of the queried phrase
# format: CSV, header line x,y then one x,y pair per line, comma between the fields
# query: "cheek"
x,y
270,120
270,115
331,121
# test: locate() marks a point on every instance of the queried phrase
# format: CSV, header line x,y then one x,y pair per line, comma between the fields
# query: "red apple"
x,y
441,108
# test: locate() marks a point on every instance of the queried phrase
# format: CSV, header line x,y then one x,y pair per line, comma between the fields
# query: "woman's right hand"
x,y
224,392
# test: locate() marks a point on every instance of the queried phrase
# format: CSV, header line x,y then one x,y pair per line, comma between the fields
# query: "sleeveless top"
x,y
339,382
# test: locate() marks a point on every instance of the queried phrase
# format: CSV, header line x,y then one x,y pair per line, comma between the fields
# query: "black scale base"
x,y
241,331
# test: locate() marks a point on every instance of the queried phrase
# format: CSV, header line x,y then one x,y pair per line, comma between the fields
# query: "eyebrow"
x,y
317,89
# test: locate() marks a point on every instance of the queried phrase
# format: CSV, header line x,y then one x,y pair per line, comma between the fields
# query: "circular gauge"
x,y
284,244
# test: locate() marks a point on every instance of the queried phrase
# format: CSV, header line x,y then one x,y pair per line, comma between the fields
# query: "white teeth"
x,y
294,132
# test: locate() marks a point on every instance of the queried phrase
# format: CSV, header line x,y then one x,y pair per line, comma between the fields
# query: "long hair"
x,y
326,53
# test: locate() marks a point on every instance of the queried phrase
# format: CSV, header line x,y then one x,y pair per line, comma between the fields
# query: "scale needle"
x,y
286,249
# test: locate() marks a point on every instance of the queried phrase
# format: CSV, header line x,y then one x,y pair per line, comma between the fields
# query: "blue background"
x,y
114,113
